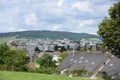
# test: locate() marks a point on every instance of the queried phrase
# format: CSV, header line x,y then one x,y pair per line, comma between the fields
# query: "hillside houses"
x,y
112,69
48,45
86,60
93,62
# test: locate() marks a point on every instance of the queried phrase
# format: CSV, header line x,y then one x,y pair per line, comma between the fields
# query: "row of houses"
x,y
35,54
95,63
49,45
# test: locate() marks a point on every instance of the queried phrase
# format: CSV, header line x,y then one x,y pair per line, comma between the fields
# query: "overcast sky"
x,y
79,16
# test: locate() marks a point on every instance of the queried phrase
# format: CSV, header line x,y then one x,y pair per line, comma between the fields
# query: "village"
x,y
52,46
83,54
59,39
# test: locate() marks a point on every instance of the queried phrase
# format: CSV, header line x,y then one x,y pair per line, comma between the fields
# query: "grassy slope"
x,y
5,75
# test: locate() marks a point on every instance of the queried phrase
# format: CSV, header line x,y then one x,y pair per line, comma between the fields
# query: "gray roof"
x,y
86,60
113,67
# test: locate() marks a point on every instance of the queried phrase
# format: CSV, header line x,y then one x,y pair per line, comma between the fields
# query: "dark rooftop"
x,y
86,60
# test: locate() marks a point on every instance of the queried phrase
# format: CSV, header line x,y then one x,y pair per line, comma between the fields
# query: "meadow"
x,y
6,75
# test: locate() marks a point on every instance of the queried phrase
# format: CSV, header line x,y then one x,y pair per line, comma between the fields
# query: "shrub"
x,y
79,72
46,70
46,61
57,71
82,49
67,72
104,75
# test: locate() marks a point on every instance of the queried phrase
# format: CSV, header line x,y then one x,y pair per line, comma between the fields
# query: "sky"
x,y
78,16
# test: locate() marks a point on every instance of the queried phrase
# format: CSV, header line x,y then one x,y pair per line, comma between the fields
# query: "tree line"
x,y
48,34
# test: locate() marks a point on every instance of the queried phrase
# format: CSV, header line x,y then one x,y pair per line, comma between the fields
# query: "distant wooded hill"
x,y
48,34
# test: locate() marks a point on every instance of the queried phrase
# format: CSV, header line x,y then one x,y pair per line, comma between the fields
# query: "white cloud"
x,y
16,9
52,7
13,11
85,26
101,10
85,23
55,27
56,12
30,19
27,1
60,3
10,29
3,1
13,28
62,15
84,6
86,30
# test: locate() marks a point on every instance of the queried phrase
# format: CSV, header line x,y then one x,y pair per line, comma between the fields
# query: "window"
x,y
81,57
86,61
71,59
92,63
75,61
111,64
79,61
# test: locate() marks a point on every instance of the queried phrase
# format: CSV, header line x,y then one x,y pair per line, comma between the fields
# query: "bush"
x,y
67,72
79,72
45,70
46,61
104,75
82,49
57,71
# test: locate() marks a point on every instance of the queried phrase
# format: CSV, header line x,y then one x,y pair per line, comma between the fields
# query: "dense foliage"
x,y
79,72
3,49
109,30
12,60
37,50
46,61
16,60
48,34
60,48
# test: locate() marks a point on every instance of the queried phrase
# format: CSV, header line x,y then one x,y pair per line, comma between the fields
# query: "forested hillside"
x,y
48,34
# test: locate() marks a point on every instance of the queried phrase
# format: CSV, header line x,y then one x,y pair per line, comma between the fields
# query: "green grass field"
x,y
5,75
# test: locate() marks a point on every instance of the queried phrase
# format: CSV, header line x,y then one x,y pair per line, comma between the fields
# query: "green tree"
x,y
78,48
46,61
3,48
109,30
16,60
37,50
60,48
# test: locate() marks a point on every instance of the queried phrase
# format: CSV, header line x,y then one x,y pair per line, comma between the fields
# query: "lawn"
x,y
5,75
